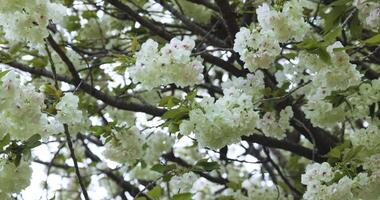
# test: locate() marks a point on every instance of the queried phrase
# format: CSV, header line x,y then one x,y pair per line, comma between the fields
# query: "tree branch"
x,y
192,26
285,145
72,153
229,17
109,100
171,157
76,78
160,31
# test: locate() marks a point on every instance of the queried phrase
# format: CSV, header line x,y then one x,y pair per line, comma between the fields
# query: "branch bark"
x,y
72,153
229,17
109,100
192,26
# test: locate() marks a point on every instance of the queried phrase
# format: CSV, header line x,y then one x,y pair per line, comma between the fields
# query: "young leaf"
x,y
33,141
374,40
155,193
5,141
182,196
206,165
163,168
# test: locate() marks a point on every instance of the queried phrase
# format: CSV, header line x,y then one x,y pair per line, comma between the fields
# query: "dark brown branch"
x,y
52,164
109,100
224,65
65,59
171,157
324,141
144,22
279,171
285,145
229,17
192,26
160,31
72,153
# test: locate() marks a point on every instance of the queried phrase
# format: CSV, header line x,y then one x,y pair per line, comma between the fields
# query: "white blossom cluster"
x,y
253,85
183,182
274,126
60,66
220,122
13,179
158,143
128,146
360,102
27,20
258,47
68,111
369,13
142,173
20,110
324,75
324,81
286,25
170,64
262,192
321,182
368,138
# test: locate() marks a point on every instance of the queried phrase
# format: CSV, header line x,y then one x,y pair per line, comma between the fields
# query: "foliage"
x,y
185,99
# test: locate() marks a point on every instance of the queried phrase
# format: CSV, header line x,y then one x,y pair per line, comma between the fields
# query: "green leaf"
x,y
344,48
17,160
234,185
332,35
120,69
50,90
169,101
73,23
88,14
336,99
39,62
336,154
5,57
332,15
167,177
155,193
176,114
351,154
374,40
68,3
339,3
163,168
134,44
308,44
182,196
355,27
323,55
5,141
3,73
206,165
33,141
226,197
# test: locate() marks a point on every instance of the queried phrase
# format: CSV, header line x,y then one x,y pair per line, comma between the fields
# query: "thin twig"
x,y
283,177
53,69
286,95
72,153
